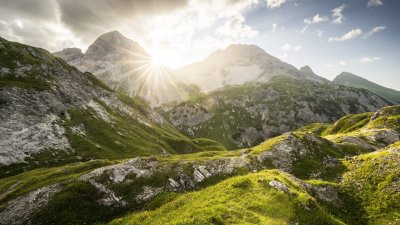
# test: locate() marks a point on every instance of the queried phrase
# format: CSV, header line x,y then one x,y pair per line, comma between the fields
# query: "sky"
x,y
331,36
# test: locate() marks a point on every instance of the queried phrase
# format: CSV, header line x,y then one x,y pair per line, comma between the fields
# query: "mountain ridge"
x,y
353,80
235,65
244,115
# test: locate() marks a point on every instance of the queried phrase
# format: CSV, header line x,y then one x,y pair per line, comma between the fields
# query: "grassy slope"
x,y
359,82
244,199
374,179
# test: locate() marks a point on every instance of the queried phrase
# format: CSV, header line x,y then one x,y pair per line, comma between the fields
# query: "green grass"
x,y
267,145
348,124
75,204
373,179
14,186
232,202
25,82
128,138
389,118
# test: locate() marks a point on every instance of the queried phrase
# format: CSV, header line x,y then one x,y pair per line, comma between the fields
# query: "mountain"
x,y
340,173
245,115
53,114
352,80
125,66
238,64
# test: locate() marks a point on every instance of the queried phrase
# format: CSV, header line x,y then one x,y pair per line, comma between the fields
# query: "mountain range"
x,y
243,138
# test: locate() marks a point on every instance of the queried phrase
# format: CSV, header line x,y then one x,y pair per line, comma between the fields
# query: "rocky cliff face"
x,y
125,66
243,116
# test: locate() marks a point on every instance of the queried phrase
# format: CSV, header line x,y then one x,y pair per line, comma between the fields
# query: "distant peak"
x,y
306,69
72,50
243,47
112,36
347,74
240,50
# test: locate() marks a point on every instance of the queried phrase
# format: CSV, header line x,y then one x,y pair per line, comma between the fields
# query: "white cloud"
x,y
291,48
275,3
372,3
342,63
319,33
288,50
338,15
348,36
316,19
369,59
235,27
328,65
373,31
274,27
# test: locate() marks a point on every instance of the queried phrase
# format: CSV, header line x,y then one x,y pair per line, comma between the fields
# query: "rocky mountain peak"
x,y
114,43
309,73
306,69
70,54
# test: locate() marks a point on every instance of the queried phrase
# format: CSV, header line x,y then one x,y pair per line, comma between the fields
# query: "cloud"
x,y
337,14
275,3
369,59
291,48
328,65
319,33
372,3
316,19
235,27
288,50
274,27
94,17
348,36
342,63
158,25
373,31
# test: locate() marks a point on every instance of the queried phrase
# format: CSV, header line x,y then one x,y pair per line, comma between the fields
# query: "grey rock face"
x,y
279,186
20,209
70,54
194,115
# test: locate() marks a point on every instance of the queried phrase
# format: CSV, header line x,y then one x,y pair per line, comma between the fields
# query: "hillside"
x,y
352,80
340,173
244,115
52,114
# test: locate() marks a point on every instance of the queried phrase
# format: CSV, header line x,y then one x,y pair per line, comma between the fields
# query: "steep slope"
x,y
352,80
125,66
244,115
50,113
238,64
342,182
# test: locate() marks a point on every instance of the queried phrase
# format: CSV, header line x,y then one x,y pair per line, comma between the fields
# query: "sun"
x,y
166,59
